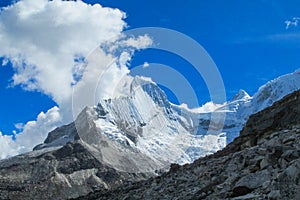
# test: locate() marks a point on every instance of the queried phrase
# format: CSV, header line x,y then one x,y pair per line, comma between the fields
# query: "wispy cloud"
x,y
293,22
284,36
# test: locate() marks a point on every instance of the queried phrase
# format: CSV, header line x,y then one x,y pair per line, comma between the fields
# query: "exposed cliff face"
x,y
262,163
59,137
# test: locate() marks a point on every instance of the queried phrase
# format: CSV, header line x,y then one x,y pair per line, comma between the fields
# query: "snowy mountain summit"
x,y
242,94
141,121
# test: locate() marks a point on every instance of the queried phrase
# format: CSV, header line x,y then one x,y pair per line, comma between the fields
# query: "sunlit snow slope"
x,y
141,119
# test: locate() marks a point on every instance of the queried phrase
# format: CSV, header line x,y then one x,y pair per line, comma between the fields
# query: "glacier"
x,y
140,120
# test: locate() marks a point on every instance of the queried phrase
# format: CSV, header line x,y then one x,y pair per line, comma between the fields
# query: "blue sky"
x,y
247,40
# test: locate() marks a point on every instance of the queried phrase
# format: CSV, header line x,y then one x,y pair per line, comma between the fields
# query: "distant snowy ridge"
x,y
275,90
242,105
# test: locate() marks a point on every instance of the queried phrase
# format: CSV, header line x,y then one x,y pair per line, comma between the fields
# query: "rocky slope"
x,y
262,163
69,164
62,173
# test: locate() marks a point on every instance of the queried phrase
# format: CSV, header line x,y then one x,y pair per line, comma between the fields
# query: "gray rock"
x,y
274,194
255,180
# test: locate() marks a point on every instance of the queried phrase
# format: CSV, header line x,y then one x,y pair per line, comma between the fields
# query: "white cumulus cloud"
x,y
43,37
33,133
48,43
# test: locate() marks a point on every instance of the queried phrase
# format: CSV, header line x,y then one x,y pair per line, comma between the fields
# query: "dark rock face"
x,y
61,173
59,136
262,163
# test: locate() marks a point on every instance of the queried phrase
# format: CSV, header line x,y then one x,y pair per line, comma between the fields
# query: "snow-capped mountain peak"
x,y
242,94
129,84
141,119
145,120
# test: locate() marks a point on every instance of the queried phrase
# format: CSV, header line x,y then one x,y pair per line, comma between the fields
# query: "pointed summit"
x,y
242,94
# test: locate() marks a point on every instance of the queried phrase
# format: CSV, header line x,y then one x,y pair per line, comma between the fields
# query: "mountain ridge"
x,y
120,141
126,117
